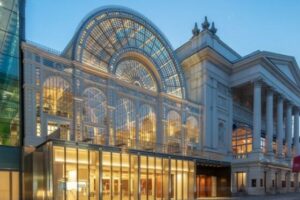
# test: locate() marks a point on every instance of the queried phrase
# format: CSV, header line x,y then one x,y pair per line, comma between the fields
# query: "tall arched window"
x,y
147,126
94,113
192,130
57,97
173,131
125,122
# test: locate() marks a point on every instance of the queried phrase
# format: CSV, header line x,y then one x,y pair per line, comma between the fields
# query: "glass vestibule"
x,y
78,174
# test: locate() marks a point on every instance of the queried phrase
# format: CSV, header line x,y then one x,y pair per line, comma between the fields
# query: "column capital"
x,y
258,82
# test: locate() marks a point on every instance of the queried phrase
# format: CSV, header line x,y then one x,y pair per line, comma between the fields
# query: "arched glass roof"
x,y
136,73
111,30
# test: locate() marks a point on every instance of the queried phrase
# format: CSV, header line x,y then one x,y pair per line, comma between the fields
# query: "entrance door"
x,y
241,181
206,186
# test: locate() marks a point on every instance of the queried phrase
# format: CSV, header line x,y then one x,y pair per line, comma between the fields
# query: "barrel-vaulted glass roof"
x,y
112,30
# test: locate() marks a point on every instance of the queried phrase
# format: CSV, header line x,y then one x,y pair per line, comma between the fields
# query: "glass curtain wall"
x,y
173,132
80,173
10,72
147,127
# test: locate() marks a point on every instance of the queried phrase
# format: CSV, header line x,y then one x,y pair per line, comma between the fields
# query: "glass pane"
x,y
71,174
106,176
4,185
116,176
192,176
166,170
15,186
58,173
143,178
151,178
125,182
185,170
83,175
158,178
175,190
134,177
94,175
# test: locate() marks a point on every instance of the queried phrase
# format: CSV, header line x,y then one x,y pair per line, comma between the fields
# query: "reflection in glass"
x,y
125,182
116,176
147,127
125,123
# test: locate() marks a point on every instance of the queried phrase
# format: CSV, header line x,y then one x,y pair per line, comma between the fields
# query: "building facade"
x,y
11,34
120,114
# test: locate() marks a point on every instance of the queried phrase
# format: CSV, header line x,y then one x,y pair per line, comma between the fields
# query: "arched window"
x,y
136,73
94,114
125,122
57,97
173,125
192,130
147,126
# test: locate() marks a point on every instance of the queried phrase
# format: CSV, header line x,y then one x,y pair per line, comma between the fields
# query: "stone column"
x,y
279,125
289,130
296,132
256,116
269,114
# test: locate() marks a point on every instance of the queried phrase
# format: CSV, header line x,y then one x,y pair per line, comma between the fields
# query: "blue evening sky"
x,y
245,25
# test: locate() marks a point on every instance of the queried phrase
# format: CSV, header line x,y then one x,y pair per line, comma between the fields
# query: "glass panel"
x,y
174,133
158,178
94,112
83,174
137,74
192,176
116,176
147,127
106,176
71,174
143,178
125,182
175,189
192,131
14,185
184,182
57,96
4,185
125,123
166,170
58,173
134,177
179,180
151,178
94,175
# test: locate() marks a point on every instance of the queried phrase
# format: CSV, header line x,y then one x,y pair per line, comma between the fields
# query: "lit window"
x,y
242,140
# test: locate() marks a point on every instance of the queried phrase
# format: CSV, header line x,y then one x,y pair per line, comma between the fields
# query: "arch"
x,y
109,30
192,130
174,125
136,73
125,124
95,114
57,97
147,126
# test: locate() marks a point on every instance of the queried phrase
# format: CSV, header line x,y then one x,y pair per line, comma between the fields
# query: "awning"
x,y
296,164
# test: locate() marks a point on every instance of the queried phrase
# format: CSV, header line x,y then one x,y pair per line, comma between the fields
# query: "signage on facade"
x,y
296,164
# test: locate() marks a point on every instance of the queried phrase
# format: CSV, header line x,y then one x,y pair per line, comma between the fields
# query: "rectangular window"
x,y
253,183
261,182
241,181
242,140
283,183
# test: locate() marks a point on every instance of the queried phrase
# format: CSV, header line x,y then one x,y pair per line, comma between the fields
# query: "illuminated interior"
x,y
77,173
242,140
